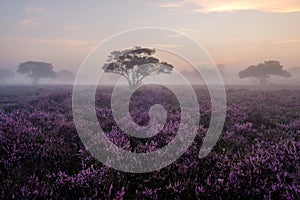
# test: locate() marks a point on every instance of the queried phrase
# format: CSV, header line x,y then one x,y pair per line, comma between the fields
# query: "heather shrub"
x,y
256,157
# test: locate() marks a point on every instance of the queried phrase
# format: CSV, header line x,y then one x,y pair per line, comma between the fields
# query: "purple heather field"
x,y
256,157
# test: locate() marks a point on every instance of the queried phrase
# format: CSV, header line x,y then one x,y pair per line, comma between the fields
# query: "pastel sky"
x,y
235,33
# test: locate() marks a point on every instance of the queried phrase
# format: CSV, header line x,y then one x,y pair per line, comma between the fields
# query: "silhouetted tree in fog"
x,y
36,70
264,71
135,64
5,74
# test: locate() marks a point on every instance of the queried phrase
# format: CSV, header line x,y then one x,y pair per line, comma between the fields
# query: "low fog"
x,y
230,76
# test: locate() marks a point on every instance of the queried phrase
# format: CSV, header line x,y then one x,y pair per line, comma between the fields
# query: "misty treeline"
x,y
263,73
36,70
135,64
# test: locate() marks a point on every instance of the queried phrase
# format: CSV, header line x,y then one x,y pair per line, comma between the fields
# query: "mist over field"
x,y
229,76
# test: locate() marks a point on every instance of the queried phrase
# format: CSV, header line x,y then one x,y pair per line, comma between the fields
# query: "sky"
x,y
234,33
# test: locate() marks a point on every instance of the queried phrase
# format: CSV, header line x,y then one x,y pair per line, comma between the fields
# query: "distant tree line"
x,y
36,70
135,64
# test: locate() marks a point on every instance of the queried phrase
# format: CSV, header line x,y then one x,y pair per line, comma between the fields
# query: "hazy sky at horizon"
x,y
236,33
